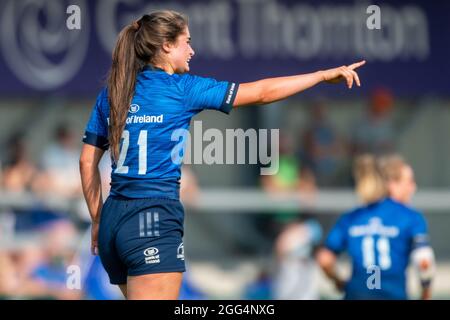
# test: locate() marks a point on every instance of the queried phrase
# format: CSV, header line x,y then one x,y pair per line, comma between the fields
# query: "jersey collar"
x,y
150,67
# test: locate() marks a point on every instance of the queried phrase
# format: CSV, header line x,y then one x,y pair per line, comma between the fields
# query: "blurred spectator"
x,y
27,257
189,193
323,149
296,276
188,290
8,275
59,163
43,272
261,288
18,170
34,270
375,132
291,176
189,190
96,284
19,176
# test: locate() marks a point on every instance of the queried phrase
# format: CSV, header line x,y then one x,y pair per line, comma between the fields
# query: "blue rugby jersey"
x,y
150,157
381,234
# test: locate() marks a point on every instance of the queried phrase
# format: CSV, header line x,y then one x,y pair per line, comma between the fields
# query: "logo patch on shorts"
x,y
151,255
180,251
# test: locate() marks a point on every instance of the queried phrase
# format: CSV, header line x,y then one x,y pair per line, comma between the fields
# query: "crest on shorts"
x,y
151,255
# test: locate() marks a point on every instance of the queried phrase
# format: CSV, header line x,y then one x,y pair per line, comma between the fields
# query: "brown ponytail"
x,y
138,44
121,84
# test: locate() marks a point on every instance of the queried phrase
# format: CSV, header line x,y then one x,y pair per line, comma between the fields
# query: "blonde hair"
x,y
372,175
370,185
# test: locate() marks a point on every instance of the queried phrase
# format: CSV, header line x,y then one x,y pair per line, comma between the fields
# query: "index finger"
x,y
357,65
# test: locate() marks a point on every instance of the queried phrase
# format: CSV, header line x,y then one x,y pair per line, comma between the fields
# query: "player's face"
x,y
409,183
405,187
181,53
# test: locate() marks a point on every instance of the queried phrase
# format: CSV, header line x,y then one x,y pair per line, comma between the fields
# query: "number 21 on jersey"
x,y
142,143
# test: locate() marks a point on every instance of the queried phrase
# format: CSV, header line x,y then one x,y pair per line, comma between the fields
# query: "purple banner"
x,y
239,40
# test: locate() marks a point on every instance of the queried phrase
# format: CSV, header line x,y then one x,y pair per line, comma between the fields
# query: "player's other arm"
x,y
91,184
275,89
90,179
327,261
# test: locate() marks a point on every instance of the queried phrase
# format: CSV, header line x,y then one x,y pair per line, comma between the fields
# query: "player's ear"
x,y
167,47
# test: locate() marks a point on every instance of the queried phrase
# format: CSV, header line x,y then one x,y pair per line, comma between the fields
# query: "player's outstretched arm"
x,y
275,89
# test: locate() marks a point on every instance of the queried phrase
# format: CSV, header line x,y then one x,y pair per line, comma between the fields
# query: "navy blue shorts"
x,y
141,236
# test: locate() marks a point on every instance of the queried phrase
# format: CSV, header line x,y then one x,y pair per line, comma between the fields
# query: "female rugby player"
x,y
149,93
383,235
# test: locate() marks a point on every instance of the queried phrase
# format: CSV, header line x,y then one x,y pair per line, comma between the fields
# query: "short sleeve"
x,y
96,132
419,231
207,93
337,238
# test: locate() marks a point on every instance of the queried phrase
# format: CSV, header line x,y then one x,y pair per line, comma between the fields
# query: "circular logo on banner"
x,y
37,43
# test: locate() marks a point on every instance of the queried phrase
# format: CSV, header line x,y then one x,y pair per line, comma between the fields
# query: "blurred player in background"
x,y
384,233
138,231
296,276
